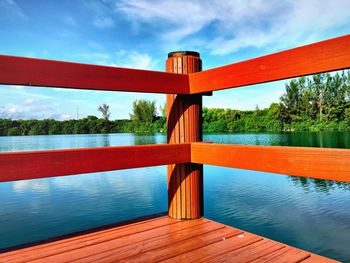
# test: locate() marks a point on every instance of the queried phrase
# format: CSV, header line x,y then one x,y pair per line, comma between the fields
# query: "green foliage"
x,y
144,111
88,125
320,102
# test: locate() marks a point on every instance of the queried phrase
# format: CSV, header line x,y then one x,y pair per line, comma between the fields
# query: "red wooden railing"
x,y
41,164
183,121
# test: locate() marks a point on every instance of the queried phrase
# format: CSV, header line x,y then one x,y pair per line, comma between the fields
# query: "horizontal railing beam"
x,y
40,164
329,55
320,163
49,73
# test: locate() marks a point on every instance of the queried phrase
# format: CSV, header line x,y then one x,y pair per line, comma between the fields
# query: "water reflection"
x,y
31,185
308,213
105,140
42,208
141,139
306,139
315,139
317,184
41,142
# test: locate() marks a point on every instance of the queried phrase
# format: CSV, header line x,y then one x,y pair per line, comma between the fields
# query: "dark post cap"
x,y
183,53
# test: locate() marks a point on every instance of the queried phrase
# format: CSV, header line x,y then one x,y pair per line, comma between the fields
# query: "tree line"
x,y
316,103
319,102
143,119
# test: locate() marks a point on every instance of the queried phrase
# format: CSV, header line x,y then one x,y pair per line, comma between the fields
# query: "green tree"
x,y
347,116
14,131
163,110
144,111
104,109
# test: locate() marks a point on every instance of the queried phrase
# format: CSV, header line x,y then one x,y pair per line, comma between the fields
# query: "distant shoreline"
x,y
250,122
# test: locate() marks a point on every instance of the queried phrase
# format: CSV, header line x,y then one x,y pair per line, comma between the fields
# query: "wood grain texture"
x,y
40,164
329,55
185,194
192,228
49,73
79,241
320,163
164,240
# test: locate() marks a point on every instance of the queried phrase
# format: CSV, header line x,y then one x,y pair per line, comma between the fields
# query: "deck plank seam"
x,y
210,243
141,241
255,252
71,243
202,221
177,242
71,239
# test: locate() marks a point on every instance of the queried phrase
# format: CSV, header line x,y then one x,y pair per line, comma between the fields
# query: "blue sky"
x,y
139,34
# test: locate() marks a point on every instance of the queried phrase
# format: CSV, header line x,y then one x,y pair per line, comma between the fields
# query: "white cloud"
x,y
27,91
100,11
234,25
97,57
246,98
36,106
63,117
95,45
185,18
302,22
12,111
122,58
135,59
10,9
29,102
103,22
70,21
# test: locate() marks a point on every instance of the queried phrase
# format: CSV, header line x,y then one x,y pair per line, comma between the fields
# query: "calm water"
x,y
305,213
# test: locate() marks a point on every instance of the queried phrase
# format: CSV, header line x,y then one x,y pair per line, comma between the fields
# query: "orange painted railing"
x,y
41,164
332,164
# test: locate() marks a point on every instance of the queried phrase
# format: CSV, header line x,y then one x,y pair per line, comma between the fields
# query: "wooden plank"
x,y
40,164
164,239
50,73
85,237
80,251
329,55
174,252
150,244
250,253
275,254
208,252
291,255
72,244
320,163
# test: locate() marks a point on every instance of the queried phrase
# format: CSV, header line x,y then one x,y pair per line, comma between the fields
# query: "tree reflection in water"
x,y
319,185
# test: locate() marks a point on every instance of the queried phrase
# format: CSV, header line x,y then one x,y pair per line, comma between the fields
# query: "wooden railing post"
x,y
184,125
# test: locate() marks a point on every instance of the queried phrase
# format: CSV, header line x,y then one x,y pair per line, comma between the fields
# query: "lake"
x,y
310,214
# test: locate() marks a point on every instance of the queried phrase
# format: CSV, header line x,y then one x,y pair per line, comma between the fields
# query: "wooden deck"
x,y
163,239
